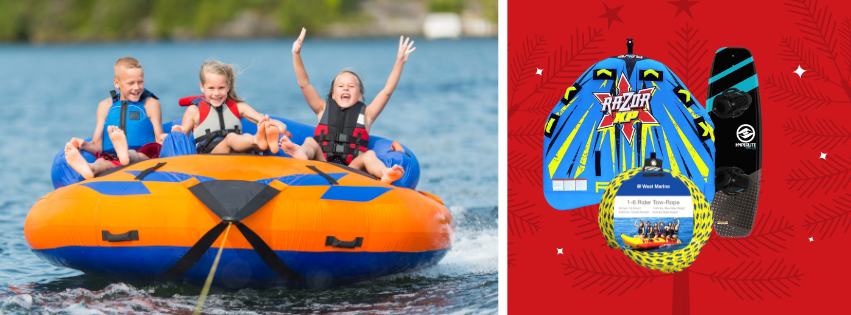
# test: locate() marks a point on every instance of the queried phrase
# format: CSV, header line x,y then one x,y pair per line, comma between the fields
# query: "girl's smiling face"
x,y
215,88
346,90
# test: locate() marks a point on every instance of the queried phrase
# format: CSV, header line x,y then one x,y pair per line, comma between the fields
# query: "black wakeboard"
x,y
734,105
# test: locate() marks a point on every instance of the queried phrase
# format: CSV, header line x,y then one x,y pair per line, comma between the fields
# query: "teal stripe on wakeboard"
x,y
745,86
730,70
720,49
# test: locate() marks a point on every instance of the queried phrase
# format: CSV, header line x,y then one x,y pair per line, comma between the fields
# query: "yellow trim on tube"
x,y
561,151
701,166
584,159
674,166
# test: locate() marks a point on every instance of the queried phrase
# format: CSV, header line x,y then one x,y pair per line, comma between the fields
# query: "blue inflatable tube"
x,y
179,144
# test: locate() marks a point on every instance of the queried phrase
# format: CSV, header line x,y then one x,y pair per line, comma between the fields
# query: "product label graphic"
x,y
653,213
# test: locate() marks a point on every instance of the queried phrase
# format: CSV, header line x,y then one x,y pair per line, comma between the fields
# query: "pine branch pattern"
x,y
528,137
834,173
770,234
525,168
827,220
819,28
793,50
544,105
510,255
818,25
798,94
688,51
824,134
564,64
521,219
523,66
618,274
585,220
751,280
845,44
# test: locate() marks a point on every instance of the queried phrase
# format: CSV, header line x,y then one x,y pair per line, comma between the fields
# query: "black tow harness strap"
x,y
268,255
232,201
195,252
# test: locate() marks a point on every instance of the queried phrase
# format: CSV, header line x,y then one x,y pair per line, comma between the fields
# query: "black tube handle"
x,y
334,242
132,235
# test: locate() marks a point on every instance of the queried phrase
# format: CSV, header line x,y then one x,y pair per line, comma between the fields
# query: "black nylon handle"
x,y
144,173
330,179
132,235
334,242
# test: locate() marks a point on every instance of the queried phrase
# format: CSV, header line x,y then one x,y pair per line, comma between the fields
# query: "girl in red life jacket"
x,y
218,130
342,135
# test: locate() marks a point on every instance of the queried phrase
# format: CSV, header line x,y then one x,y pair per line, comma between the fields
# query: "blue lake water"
x,y
444,109
627,227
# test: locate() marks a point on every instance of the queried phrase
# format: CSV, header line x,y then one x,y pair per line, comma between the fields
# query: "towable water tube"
x,y
638,243
294,223
619,112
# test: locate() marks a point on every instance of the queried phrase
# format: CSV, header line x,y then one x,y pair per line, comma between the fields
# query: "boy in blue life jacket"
x,y
132,120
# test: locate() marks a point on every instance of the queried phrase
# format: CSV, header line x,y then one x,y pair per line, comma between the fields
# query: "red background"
x,y
776,269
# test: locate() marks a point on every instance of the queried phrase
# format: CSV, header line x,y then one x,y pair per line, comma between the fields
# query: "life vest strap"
x,y
339,137
339,149
209,145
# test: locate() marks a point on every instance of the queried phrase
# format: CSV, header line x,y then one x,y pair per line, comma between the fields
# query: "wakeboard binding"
x,y
731,103
732,180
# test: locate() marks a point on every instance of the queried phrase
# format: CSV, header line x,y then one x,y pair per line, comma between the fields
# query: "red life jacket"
x,y
341,132
213,129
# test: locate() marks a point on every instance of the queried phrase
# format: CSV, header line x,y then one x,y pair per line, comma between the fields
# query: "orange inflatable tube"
x,y
291,223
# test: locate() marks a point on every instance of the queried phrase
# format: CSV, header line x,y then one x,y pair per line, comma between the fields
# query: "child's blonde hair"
x,y
217,67
352,72
124,64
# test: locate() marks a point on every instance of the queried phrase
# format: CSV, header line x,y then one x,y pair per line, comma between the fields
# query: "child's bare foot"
x,y
391,174
260,136
292,149
396,146
77,162
119,142
77,143
272,133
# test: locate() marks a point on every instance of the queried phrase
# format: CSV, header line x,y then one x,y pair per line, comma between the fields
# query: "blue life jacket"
x,y
132,118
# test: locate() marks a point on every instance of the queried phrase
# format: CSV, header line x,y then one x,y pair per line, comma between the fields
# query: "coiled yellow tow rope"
x,y
663,261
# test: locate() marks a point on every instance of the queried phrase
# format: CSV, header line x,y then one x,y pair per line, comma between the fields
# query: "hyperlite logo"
x,y
745,133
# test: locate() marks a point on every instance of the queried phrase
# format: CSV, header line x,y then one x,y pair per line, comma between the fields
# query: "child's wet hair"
x,y
220,68
352,72
124,64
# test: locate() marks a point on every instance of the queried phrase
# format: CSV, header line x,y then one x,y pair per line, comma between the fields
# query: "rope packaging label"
x,y
636,196
653,212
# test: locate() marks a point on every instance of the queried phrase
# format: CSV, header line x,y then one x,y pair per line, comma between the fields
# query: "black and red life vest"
x,y
222,124
341,132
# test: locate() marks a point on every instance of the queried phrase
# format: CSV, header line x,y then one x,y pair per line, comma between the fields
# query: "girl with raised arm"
x,y
342,135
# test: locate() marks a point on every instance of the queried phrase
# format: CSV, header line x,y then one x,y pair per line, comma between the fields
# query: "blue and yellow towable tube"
x,y
621,111
293,223
63,175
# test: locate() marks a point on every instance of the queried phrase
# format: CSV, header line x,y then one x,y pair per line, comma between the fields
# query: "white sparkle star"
x,y
800,71
538,72
811,239
823,156
559,251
